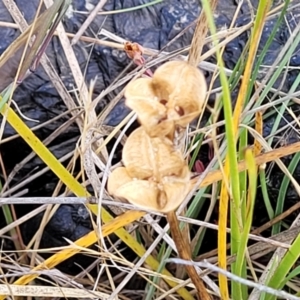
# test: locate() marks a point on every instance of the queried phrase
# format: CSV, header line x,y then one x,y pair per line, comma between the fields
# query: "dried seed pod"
x,y
163,196
141,98
117,178
155,175
183,87
145,157
173,97
141,193
176,188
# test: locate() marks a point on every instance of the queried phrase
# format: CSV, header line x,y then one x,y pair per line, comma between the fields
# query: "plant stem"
x,y
185,253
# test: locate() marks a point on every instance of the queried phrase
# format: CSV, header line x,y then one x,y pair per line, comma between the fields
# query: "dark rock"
x,y
63,225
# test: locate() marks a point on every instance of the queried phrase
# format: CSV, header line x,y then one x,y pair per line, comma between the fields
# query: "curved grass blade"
x,y
264,190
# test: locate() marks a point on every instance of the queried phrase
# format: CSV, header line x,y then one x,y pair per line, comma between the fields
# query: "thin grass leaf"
x,y
266,47
293,274
254,42
164,254
264,189
196,207
55,20
263,7
240,214
283,188
129,9
259,130
223,208
243,143
278,279
6,209
283,191
247,222
273,266
288,51
198,139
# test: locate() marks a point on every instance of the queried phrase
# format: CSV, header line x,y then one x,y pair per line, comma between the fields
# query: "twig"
x,y
88,21
273,241
199,36
249,283
269,156
185,253
52,292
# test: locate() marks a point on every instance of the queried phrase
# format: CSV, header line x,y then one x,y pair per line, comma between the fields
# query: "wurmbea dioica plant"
x,y
155,175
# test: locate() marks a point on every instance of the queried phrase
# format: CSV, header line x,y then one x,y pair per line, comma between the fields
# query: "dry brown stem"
x,y
200,35
185,254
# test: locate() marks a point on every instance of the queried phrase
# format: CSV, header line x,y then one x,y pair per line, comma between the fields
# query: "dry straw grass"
x,y
94,155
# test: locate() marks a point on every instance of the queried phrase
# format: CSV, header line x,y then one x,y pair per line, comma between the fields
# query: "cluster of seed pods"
x,y
155,175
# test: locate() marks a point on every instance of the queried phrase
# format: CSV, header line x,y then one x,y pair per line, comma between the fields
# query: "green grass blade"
x,y
264,189
278,71
283,190
278,280
231,162
293,274
247,222
272,268
198,139
267,46
241,213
